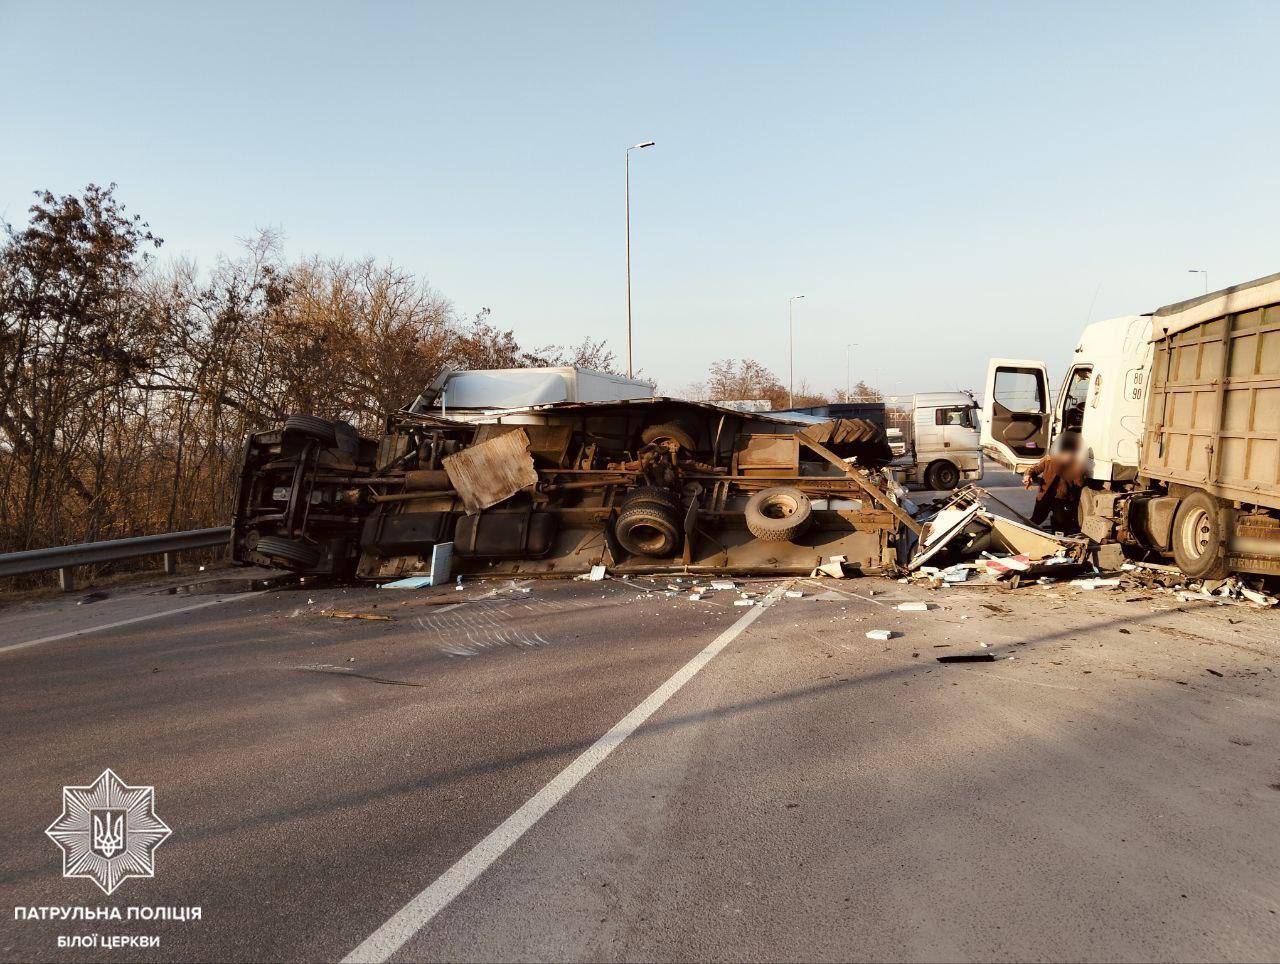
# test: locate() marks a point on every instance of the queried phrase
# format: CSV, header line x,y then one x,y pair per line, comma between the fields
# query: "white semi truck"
x,y
1176,415
942,445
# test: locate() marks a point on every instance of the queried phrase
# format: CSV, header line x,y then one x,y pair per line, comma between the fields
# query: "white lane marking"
x,y
125,622
413,916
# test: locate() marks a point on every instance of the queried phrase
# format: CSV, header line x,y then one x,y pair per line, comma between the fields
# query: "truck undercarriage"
x,y
640,486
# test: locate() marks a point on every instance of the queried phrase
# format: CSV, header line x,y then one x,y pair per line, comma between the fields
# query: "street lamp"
x,y
633,147
791,351
1203,271
848,371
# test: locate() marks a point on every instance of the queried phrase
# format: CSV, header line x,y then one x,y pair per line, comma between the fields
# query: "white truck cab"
x,y
1102,400
943,448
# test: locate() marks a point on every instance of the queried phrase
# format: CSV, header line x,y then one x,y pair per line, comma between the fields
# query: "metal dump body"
x,y
1213,407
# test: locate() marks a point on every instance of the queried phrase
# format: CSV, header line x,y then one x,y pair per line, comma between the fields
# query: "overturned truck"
x,y
640,486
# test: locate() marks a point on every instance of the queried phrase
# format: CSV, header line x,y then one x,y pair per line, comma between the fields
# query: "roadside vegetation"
x,y
127,384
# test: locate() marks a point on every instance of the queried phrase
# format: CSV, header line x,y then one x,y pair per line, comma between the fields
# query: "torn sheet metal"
x,y
941,530
1006,546
492,471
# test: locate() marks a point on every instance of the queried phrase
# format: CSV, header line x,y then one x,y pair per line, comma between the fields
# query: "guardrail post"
x,y
170,563
66,579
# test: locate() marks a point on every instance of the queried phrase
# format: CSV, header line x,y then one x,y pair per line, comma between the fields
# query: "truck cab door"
x,y
1016,424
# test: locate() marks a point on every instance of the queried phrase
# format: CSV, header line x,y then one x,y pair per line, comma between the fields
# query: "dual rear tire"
x,y
650,522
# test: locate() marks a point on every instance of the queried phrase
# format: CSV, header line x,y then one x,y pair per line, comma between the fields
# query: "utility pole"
x,y
633,147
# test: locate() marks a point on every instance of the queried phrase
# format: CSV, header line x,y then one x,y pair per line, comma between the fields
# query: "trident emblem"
x,y
108,832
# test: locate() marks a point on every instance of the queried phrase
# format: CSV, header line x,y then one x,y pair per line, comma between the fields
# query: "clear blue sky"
x,y
942,181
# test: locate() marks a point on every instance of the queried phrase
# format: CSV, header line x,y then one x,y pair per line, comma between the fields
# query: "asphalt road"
x,y
1112,792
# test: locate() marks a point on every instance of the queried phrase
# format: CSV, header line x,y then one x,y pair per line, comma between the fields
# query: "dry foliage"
x,y
126,389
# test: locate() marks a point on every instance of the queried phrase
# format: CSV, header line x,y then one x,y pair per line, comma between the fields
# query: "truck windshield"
x,y
1077,394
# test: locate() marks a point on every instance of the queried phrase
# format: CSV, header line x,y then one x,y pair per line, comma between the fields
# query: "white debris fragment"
x,y
723,584
695,596
883,634
833,568
1095,583
916,607
743,602
794,594
1260,598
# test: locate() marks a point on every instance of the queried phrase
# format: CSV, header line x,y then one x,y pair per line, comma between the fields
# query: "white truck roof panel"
x,y
502,388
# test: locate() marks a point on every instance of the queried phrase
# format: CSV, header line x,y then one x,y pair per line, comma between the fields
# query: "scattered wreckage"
x,y
962,542
641,485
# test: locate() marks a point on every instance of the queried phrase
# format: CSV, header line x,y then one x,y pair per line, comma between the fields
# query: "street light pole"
x,y
633,147
1203,271
791,350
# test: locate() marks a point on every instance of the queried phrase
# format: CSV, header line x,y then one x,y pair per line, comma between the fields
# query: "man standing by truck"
x,y
1058,479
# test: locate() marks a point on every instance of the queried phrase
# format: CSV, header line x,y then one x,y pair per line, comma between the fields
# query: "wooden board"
x,y
492,471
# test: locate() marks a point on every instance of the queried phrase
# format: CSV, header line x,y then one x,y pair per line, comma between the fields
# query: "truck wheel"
x,y
1201,531
668,432
941,476
312,427
651,493
648,529
779,514
290,553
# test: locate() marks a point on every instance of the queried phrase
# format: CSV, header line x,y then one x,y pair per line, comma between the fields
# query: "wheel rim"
x,y
1197,533
648,536
779,508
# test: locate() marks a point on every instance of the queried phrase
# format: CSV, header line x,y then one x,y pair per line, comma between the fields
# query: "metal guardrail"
x,y
65,558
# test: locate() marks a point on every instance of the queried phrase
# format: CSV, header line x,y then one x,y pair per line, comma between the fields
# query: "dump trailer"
x,y
1176,416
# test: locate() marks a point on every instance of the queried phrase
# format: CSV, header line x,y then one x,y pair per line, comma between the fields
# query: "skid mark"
x,y
472,630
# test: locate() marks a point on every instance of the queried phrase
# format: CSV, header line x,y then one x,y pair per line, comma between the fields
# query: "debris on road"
x,y
343,614
916,607
883,634
973,539
1095,582
967,658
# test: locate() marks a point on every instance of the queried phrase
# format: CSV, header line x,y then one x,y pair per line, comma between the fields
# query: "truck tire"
x,y
648,529
311,426
1201,533
651,493
779,514
668,432
290,553
941,476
